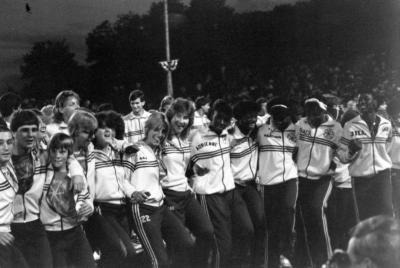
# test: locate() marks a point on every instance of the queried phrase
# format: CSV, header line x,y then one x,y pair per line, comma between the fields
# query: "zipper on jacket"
x,y
223,163
312,146
373,155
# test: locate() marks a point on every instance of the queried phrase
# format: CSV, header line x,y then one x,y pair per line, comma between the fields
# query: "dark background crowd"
x,y
340,47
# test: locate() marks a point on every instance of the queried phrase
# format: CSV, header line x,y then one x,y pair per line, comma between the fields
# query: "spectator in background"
x,y
9,102
262,114
67,101
135,120
165,103
202,105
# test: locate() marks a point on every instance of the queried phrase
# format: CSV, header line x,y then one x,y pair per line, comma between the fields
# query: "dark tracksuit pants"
x,y
108,230
373,195
312,202
395,177
229,215
152,225
255,207
10,256
185,206
280,209
70,248
341,216
31,240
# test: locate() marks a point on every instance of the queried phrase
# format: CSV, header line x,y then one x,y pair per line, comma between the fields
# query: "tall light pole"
x,y
170,89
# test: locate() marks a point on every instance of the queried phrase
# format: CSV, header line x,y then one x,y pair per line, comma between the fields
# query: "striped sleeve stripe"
x,y
273,148
319,141
209,155
345,141
134,133
244,152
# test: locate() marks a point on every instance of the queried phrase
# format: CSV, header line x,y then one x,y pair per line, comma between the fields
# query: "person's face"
x,y
281,122
219,122
315,116
6,146
83,137
206,107
137,105
155,136
70,105
104,137
42,129
351,105
366,104
26,136
179,122
58,158
247,122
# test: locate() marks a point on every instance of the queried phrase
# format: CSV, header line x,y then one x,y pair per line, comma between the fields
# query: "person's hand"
x,y
200,171
6,238
85,210
77,183
139,196
354,146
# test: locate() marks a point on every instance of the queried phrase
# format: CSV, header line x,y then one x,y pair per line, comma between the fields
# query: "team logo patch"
x,y
329,134
385,129
292,137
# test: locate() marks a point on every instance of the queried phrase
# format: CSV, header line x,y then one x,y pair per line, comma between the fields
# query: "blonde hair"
x,y
81,120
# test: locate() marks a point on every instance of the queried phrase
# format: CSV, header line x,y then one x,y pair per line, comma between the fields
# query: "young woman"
x,y
62,211
153,220
109,226
179,196
66,103
10,256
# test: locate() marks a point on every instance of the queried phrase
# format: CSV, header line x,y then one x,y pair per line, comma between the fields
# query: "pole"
x,y
170,89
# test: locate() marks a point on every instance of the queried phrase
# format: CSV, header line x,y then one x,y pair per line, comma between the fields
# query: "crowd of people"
x,y
201,183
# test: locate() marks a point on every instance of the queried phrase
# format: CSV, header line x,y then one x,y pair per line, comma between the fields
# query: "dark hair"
x,y
222,107
59,103
113,120
9,102
201,101
279,108
105,107
378,238
261,100
243,108
23,117
183,106
61,141
167,100
137,93
3,127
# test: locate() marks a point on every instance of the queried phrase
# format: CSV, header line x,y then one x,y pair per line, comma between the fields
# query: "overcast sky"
x,y
72,20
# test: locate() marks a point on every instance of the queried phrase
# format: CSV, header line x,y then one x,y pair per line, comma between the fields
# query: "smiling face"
x,y
137,106
6,146
247,122
366,104
58,158
25,136
104,137
155,136
179,123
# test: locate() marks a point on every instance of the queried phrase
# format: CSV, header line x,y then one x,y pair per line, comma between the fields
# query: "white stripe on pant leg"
x,y
353,191
143,236
203,203
305,237
324,221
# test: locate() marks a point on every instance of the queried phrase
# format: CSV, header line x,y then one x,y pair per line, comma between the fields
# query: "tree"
x,y
50,67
